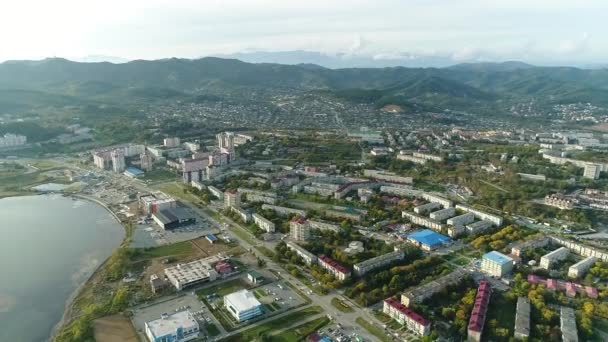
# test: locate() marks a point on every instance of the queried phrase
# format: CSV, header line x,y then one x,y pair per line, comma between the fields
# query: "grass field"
x,y
372,329
277,324
267,252
223,288
159,175
179,249
177,190
341,305
300,332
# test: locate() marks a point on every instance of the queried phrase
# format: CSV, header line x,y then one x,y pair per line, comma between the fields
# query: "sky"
x,y
540,31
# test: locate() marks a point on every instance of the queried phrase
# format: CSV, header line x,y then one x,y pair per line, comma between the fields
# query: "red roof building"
x,y
412,320
337,270
478,315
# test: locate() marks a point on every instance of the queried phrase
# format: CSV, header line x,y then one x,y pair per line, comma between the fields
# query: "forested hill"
x,y
60,80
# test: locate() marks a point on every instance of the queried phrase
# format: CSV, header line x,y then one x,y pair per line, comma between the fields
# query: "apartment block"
x,y
407,317
377,262
549,259
580,268
263,223
308,257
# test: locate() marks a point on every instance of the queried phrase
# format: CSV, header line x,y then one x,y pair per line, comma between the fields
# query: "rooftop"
x,y
394,302
173,214
242,300
429,238
169,324
334,264
497,257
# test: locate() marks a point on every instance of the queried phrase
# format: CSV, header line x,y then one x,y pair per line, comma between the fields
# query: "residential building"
x,y
225,140
580,268
446,203
263,223
118,160
423,221
334,268
518,249
171,142
192,146
427,156
243,305
232,198
309,258
456,231
387,176
299,229
442,214
243,214
420,293
567,319
347,213
284,211
405,316
559,201
400,191
580,248
193,273
102,160
426,208
194,169
522,319
481,215
320,225
11,140
175,327
377,262
146,161
216,192
241,139
547,260
480,308
496,264
478,227
461,220
592,171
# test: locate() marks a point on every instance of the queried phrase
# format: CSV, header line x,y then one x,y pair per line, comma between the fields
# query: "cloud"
x,y
574,46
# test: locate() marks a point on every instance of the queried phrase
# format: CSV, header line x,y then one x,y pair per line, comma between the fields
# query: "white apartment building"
x,y
308,257
496,264
299,229
442,214
481,215
263,223
461,220
580,268
377,262
547,260
592,171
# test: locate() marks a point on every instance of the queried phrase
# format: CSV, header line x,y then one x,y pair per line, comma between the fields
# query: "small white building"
x,y
176,327
243,305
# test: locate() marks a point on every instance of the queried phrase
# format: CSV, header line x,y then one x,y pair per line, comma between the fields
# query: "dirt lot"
x,y
116,328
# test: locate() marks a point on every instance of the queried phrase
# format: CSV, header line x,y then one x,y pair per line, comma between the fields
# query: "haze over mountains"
x,y
463,86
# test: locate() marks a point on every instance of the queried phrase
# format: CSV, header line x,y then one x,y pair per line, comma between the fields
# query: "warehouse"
x,y
173,218
428,239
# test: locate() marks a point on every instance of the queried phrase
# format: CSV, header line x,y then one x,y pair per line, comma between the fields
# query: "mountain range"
x,y
54,81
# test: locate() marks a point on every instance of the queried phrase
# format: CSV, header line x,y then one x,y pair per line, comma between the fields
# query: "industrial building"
x,y
420,293
175,327
428,240
522,319
243,305
193,273
308,257
580,268
547,260
377,262
405,316
334,268
480,308
172,218
496,264
263,223
567,319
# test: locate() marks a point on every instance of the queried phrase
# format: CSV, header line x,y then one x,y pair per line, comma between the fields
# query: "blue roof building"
x,y
133,172
496,264
428,239
211,238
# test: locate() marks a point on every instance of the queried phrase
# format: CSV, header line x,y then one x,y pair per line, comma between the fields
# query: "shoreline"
x,y
69,306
